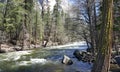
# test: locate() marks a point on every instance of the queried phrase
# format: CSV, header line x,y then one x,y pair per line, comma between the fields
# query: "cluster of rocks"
x,y
87,57
81,56
84,56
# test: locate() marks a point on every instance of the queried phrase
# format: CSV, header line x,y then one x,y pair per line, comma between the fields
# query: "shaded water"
x,y
44,60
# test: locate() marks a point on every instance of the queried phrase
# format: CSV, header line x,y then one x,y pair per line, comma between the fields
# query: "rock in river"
x,y
66,60
78,54
117,58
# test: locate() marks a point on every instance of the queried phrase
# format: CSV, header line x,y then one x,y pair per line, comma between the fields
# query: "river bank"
x,y
5,48
12,48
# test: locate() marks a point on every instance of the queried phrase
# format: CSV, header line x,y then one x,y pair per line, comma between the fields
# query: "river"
x,y
44,60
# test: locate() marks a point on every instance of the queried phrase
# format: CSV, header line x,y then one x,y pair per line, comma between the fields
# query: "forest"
x,y
59,35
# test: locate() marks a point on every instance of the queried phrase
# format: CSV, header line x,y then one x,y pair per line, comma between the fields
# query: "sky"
x,y
64,4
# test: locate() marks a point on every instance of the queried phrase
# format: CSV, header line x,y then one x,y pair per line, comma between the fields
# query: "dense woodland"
x,y
23,23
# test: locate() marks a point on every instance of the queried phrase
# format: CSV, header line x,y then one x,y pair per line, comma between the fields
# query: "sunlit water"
x,y
44,60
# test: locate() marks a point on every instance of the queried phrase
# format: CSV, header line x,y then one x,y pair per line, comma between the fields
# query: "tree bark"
x,y
24,25
91,12
102,63
86,39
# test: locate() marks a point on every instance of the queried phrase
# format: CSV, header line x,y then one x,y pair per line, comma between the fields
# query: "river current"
x,y
44,59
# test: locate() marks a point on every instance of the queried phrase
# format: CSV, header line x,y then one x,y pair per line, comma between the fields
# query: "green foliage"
x,y
12,15
23,16
1,13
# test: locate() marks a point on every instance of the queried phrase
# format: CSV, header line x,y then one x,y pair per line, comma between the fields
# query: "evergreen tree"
x,y
58,23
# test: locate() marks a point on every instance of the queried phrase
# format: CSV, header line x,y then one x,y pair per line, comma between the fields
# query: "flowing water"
x,y
44,60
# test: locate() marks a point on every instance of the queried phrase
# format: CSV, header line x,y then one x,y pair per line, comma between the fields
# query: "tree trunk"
x,y
85,37
5,14
36,27
115,42
0,46
95,25
102,63
90,13
23,41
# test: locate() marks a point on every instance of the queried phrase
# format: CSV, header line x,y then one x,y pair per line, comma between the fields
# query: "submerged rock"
x,y
66,60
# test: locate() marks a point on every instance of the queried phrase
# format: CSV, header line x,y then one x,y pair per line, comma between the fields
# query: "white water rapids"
x,y
44,60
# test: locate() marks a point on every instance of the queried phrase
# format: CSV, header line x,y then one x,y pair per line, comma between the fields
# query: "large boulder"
x,y
66,60
78,54
117,58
